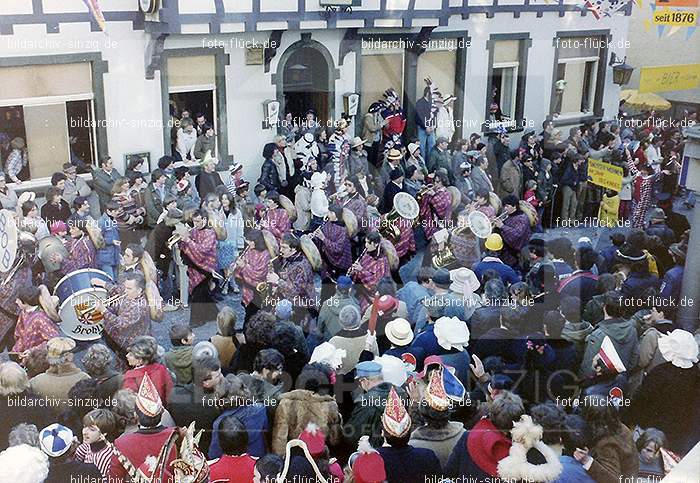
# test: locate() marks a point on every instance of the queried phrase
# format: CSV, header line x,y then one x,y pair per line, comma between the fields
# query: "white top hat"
x,y
451,333
679,348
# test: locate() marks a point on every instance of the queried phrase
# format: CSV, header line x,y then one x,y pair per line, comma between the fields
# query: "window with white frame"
x,y
191,89
505,71
47,110
577,75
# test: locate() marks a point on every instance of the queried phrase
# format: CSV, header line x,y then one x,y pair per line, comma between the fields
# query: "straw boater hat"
x,y
357,141
26,196
393,154
395,419
679,348
399,332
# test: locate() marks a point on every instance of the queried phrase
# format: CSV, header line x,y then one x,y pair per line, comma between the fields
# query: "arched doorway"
x,y
307,80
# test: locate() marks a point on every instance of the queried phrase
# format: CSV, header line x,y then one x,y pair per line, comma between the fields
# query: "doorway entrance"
x,y
306,83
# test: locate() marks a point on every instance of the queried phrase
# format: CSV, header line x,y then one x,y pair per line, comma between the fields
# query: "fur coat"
x,y
300,407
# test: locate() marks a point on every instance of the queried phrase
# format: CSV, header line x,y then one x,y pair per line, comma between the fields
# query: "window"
x,y
51,108
576,75
506,83
380,71
192,88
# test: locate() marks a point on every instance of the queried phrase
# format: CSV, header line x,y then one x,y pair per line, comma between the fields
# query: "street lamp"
x,y
621,70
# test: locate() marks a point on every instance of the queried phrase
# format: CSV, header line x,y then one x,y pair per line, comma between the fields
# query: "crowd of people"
x,y
405,316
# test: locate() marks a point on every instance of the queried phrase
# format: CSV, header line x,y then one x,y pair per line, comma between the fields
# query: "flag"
x,y
96,11
610,357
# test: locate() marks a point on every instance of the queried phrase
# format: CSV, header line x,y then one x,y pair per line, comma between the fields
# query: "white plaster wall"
x,y
132,101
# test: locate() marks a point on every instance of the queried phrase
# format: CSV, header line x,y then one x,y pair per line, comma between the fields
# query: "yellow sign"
x,y
665,16
669,78
677,3
605,174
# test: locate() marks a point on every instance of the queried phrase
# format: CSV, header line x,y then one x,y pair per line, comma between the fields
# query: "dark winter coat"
x,y
409,464
667,400
622,333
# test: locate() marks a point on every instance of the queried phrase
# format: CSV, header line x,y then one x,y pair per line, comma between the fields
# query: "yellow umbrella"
x,y
645,101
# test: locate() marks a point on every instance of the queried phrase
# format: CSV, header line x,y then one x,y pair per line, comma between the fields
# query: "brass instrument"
x,y
86,314
180,231
423,191
262,286
444,257
403,206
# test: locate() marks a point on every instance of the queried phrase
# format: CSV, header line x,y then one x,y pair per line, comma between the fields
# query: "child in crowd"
x,y
179,359
99,426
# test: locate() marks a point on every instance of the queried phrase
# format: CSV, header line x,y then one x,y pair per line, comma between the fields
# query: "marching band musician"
x,y
251,268
515,231
128,318
295,280
463,243
319,200
372,266
20,276
34,327
81,251
435,205
335,243
302,203
276,219
199,249
353,201
394,186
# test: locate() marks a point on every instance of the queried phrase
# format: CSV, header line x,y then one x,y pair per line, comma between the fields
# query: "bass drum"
x,y
76,296
456,196
389,250
310,250
530,211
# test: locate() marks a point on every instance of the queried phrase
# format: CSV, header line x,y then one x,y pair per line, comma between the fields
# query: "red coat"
x,y
232,469
137,447
159,375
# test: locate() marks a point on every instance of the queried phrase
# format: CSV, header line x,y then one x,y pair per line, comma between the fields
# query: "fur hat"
x,y
520,463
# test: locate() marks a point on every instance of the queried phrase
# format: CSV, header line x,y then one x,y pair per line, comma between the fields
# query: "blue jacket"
x,y
412,294
409,464
671,285
572,471
504,271
254,418
109,255
637,283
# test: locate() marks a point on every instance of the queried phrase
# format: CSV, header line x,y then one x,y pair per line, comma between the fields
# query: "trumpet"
x,y
423,191
176,238
88,313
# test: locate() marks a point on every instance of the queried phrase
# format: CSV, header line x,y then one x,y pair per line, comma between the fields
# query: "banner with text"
x,y
605,174
669,78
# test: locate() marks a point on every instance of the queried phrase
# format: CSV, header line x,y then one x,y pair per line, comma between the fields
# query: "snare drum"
x,y
76,296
